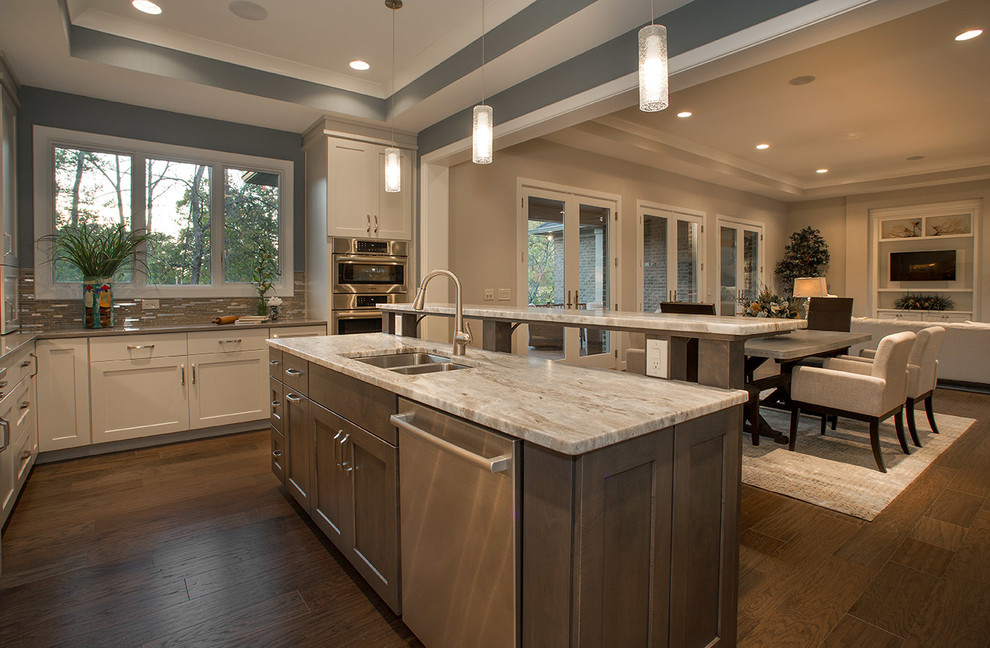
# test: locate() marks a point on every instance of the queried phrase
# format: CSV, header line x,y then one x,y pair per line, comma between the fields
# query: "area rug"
x,y
837,470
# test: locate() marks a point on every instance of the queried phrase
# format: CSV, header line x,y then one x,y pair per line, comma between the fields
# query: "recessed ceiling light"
x,y
359,65
762,146
147,6
684,114
821,171
247,10
802,80
966,35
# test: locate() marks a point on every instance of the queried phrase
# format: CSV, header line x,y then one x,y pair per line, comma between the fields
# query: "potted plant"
x,y
98,252
265,276
806,255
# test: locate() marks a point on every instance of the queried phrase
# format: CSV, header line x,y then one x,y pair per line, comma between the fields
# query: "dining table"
x,y
787,350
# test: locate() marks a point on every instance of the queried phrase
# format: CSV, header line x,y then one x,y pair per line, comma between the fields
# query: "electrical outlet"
x,y
656,358
504,294
149,304
489,294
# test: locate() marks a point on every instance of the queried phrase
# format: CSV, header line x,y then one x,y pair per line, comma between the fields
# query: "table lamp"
x,y
809,287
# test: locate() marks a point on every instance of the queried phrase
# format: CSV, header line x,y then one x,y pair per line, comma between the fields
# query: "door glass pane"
x,y
546,272
92,189
593,273
250,224
751,264
727,271
688,261
178,218
655,289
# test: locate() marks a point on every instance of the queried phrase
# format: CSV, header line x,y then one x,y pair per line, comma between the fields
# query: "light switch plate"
x,y
504,294
149,304
489,294
656,358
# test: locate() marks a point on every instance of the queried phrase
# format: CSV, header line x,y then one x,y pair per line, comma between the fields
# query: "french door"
x,y
567,261
670,257
740,269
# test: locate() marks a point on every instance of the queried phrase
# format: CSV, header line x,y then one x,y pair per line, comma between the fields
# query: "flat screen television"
x,y
930,265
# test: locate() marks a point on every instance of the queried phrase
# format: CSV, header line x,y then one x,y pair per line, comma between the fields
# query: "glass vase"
x,y
97,302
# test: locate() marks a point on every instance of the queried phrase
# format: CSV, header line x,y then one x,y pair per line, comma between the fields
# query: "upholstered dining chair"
x,y
872,397
922,373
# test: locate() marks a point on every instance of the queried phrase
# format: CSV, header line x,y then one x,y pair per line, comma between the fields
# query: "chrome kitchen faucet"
x,y
462,337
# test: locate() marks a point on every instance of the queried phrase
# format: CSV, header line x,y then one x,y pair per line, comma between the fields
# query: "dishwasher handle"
x,y
494,465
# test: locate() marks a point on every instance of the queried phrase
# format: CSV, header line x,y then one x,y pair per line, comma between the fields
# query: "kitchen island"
x,y
624,499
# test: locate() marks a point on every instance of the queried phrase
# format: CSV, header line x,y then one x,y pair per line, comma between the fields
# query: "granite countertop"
x,y
634,321
567,409
13,342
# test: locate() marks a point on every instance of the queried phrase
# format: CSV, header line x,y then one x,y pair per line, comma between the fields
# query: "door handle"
x,y
568,298
5,426
345,465
493,465
194,373
368,229
336,450
376,223
182,368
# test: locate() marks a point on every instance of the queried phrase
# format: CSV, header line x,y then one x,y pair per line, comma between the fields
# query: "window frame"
x,y
47,138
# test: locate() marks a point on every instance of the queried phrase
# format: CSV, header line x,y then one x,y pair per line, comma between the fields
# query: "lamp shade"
x,y
481,141
653,91
393,170
810,287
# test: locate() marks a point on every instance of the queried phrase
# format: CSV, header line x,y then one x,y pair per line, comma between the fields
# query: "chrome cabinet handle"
x,y
336,453
275,404
26,363
194,373
274,363
237,341
24,405
494,465
293,372
3,383
5,426
25,455
376,223
276,453
293,398
133,347
182,368
368,229
35,364
346,465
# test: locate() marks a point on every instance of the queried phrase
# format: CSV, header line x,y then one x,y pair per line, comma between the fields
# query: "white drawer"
x,y
15,369
22,417
297,331
136,347
227,341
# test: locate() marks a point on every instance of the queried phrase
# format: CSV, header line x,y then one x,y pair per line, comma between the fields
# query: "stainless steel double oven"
x,y
365,274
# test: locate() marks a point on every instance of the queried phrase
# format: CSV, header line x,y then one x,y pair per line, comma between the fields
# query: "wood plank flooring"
x,y
194,544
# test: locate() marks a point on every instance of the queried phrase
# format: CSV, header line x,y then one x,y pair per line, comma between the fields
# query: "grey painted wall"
x,y
73,112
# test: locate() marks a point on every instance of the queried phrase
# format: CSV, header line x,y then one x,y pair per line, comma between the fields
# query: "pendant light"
x,y
482,124
393,165
653,90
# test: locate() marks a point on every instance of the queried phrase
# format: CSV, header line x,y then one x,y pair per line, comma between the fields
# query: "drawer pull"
x,y
3,383
293,398
25,455
25,364
237,341
135,347
274,363
25,405
5,426
276,453
293,372
275,404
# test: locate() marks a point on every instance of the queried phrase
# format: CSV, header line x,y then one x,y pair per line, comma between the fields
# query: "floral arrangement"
x,y
768,304
924,302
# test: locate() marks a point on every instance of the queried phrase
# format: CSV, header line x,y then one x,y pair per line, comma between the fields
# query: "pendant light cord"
x,y
483,51
652,12
391,124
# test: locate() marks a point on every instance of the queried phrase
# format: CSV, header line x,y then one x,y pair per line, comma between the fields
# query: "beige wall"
x,y
484,212
844,222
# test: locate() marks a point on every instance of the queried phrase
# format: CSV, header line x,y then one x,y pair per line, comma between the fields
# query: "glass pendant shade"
x,y
481,146
393,170
653,68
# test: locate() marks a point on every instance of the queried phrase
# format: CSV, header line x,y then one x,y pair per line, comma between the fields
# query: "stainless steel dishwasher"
x,y
458,504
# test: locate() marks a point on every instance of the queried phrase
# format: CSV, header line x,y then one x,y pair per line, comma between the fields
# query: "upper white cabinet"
x,y
8,175
358,205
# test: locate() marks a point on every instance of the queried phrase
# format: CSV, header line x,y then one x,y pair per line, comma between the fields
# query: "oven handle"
x,y
381,260
357,314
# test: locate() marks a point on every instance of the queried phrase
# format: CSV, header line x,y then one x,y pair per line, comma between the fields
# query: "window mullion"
x,y
139,202
217,202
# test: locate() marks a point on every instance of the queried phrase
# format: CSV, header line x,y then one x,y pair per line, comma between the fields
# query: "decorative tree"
x,y
805,256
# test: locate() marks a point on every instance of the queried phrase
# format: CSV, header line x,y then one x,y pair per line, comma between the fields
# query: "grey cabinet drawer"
x,y
356,401
275,363
295,374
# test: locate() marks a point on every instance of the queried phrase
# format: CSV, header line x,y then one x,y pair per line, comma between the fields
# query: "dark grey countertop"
x,y
14,342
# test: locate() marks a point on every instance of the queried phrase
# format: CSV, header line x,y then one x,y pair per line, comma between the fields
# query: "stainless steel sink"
x,y
430,368
414,363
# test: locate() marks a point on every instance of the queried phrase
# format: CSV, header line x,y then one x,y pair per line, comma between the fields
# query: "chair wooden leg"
x,y
824,419
930,410
899,426
835,421
912,427
875,442
795,413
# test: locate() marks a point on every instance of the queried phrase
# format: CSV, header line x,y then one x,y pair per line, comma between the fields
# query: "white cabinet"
x,y
357,203
297,331
63,394
228,387
924,316
139,397
18,438
8,176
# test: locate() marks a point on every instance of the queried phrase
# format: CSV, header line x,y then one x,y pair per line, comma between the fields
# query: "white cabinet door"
x,y
137,398
63,394
352,196
228,388
394,209
8,178
26,434
9,463
296,331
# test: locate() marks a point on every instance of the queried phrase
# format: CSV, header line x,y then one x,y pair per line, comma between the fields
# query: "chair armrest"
x,y
856,359
868,353
841,390
859,366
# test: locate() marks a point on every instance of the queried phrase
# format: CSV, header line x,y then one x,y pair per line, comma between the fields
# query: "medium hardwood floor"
x,y
194,544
